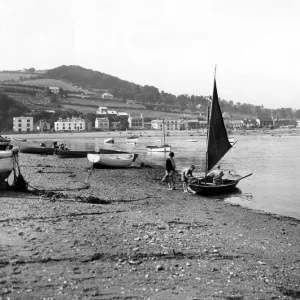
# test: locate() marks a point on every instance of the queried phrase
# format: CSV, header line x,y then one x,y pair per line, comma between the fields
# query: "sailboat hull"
x,y
209,188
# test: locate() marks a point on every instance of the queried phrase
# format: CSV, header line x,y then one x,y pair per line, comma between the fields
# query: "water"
x,y
273,160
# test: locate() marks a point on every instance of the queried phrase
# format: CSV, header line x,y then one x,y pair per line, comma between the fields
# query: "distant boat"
x,y
192,140
19,139
160,148
132,139
109,141
112,160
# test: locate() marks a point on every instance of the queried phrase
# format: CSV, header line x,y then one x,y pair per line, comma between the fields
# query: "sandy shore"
x,y
137,240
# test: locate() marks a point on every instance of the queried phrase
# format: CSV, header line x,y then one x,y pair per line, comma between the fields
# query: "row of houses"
x,y
112,120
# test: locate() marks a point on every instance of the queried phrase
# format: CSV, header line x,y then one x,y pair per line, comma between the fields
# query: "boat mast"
x,y
207,132
164,133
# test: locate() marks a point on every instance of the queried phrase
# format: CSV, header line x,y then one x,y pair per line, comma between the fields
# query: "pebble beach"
x,y
86,233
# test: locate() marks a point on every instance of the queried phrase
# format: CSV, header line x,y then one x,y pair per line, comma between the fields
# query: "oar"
x,y
244,176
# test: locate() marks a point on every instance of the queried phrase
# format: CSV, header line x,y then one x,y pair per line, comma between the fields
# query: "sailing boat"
x,y
217,146
132,139
161,148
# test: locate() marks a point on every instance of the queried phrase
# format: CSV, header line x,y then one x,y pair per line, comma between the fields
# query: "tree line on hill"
x,y
151,97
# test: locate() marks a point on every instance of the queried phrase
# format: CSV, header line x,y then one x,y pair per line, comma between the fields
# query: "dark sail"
x,y
218,143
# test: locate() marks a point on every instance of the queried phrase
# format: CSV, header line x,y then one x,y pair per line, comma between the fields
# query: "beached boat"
x,y
109,141
80,154
217,146
6,165
20,139
37,150
193,141
120,160
132,139
161,148
4,142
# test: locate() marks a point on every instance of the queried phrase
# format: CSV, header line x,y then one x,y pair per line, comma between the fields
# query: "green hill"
x,y
9,109
51,82
87,78
16,76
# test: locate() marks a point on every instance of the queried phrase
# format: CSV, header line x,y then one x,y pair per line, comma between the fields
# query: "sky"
x,y
170,44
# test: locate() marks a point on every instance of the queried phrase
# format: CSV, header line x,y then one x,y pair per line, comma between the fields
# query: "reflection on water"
x,y
274,162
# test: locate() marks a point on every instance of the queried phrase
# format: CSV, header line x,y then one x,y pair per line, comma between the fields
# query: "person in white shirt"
x,y
216,175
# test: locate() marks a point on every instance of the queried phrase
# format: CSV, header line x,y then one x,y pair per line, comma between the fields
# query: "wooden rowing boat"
x,y
36,150
120,160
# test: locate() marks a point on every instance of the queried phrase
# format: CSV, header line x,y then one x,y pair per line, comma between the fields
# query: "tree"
x,y
31,70
53,98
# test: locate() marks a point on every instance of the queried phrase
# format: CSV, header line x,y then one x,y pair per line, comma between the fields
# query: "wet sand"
x,y
125,236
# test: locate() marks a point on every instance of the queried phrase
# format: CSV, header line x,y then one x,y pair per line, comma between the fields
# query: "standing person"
x,y
171,168
217,176
185,176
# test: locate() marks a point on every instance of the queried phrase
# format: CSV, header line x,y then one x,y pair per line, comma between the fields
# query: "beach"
x,y
85,233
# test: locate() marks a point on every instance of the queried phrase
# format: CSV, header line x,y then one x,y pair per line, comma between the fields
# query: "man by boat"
x,y
216,175
185,176
171,168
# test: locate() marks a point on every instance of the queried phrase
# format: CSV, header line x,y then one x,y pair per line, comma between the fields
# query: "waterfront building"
x,y
102,123
43,126
123,118
73,124
157,124
193,124
203,124
265,120
22,124
236,124
175,124
136,122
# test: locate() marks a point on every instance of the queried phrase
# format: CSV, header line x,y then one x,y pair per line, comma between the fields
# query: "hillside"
x,y
87,78
9,109
15,76
51,82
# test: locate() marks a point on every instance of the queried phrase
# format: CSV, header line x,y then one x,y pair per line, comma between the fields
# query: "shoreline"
x,y
115,133
144,242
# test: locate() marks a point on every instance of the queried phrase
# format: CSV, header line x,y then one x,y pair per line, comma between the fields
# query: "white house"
x,y
157,124
101,110
22,124
237,123
130,101
68,124
54,89
107,96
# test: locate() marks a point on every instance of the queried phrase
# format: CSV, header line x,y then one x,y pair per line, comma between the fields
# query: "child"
x,y
185,175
